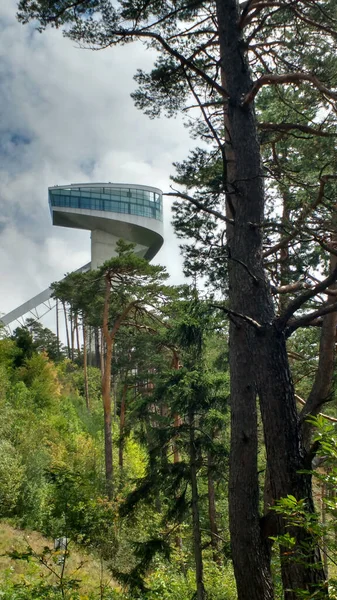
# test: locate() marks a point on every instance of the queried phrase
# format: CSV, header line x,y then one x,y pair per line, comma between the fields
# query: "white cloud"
x,y
66,116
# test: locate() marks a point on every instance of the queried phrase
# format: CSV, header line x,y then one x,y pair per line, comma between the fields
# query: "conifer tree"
x,y
116,295
218,57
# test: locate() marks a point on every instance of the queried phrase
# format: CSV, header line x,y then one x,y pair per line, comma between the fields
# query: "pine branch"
x,y
296,78
303,298
310,317
284,127
200,205
303,216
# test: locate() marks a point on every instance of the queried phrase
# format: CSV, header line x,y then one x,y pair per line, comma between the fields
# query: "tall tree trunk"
x,y
106,389
212,511
122,426
85,368
324,536
77,336
286,457
57,329
102,352
67,329
106,394
72,335
97,348
284,253
250,552
108,336
258,351
201,595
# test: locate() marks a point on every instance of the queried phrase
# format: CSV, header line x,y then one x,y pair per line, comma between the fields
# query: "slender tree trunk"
x,y
102,352
201,595
108,336
97,348
57,329
106,394
77,336
177,420
176,456
122,426
324,537
212,511
89,346
106,389
284,254
72,335
85,368
258,360
67,329
176,459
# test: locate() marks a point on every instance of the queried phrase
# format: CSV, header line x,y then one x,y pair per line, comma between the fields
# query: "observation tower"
x,y
111,211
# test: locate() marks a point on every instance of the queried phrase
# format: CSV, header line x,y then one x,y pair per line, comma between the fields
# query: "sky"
x,y
66,116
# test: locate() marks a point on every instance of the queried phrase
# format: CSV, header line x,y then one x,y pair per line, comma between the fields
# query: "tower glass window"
x,y
124,200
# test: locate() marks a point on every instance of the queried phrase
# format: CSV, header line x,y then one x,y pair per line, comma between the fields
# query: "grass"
x,y
84,567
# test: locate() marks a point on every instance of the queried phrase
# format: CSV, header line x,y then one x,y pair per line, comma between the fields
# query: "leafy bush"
x,y
11,477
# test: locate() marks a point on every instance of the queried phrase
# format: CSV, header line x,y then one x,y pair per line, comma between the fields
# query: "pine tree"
x,y
218,57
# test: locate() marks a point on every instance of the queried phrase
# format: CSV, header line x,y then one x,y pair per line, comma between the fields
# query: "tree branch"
x,y
184,61
296,78
233,313
200,206
291,287
300,300
306,319
303,216
284,127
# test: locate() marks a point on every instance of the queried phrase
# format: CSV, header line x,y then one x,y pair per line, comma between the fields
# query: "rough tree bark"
x,y
258,360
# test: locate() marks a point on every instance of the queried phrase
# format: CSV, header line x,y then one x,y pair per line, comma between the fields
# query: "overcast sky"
x,y
66,116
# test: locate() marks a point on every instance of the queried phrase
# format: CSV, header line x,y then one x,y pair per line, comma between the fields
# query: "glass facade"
x,y
130,201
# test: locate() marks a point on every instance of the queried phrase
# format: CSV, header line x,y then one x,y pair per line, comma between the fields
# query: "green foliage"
x,y
45,340
41,378
24,344
11,477
306,530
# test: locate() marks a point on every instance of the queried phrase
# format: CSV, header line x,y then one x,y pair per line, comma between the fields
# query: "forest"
x,y
185,437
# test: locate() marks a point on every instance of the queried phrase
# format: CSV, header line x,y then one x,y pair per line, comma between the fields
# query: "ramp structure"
x,y
110,211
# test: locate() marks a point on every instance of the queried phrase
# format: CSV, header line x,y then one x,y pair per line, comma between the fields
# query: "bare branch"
x,y
291,287
233,313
